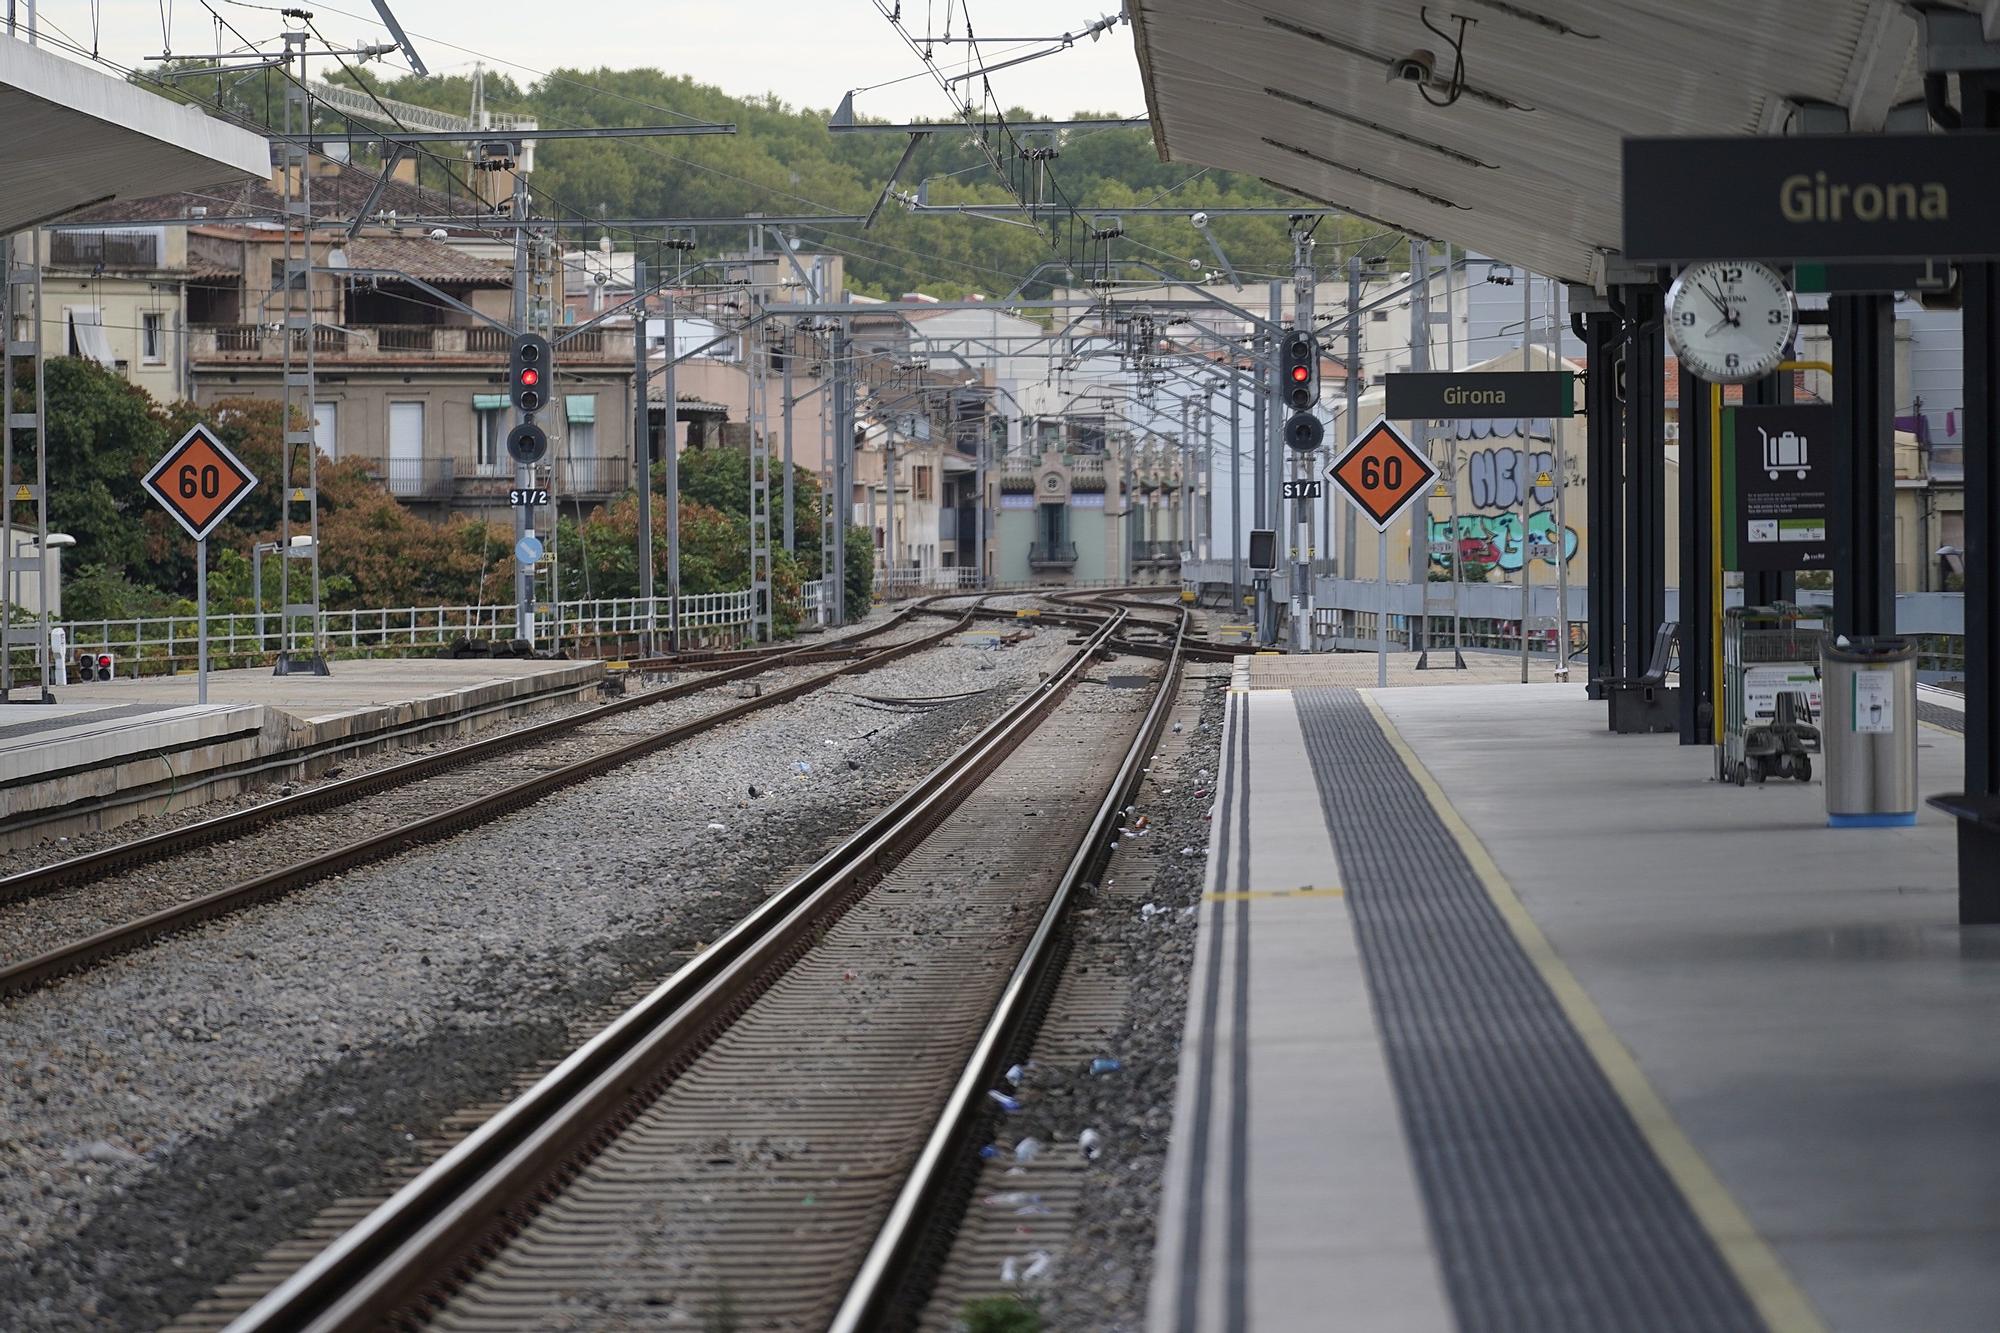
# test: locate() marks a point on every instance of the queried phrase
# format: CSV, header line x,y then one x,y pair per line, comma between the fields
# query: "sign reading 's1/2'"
x,y
1427,395
1813,196
528,495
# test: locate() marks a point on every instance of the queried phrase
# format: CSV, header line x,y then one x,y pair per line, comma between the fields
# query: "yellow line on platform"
x,y
1258,895
1779,1301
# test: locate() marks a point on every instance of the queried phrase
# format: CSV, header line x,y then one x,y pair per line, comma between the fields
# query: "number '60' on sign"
x,y
1382,473
199,481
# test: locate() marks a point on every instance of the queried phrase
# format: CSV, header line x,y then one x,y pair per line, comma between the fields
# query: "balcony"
x,y
416,478
471,343
104,249
1054,555
447,479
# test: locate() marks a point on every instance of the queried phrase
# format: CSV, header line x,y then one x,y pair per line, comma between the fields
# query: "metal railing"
x,y
258,342
911,580
1054,555
160,645
416,478
108,249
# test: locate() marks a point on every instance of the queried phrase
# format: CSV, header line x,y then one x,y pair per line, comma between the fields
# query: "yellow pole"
x,y
1715,556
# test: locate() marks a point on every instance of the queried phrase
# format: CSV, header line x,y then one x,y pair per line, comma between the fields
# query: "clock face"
x,y
1729,321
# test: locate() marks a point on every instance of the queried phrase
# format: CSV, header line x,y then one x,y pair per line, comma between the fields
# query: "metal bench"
x,y
1642,705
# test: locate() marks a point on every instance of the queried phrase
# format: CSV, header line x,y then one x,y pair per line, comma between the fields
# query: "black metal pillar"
x,y
1605,500
1978,843
1862,531
1697,573
1766,587
1645,475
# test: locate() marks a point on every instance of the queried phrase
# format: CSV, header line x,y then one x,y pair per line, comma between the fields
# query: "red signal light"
x,y
105,660
1300,374
531,377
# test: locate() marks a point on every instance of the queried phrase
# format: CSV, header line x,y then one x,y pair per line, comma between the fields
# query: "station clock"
x,y
1730,321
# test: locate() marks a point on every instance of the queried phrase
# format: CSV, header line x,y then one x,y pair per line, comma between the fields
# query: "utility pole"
x,y
1302,320
840,504
670,436
642,453
1556,326
1347,523
1271,444
524,473
1236,536
791,350
296,331
1420,433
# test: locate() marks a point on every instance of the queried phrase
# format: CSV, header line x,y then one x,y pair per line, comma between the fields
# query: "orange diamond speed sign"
x,y
1382,472
199,481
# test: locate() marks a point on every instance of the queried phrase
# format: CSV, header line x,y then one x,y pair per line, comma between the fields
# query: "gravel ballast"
x,y
170,1115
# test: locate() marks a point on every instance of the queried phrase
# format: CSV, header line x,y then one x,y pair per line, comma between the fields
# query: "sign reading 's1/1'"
x,y
1303,490
1426,395
199,481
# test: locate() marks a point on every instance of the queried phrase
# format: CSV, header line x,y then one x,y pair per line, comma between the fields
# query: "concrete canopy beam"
x,y
76,137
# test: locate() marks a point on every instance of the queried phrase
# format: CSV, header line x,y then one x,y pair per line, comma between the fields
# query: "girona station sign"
x,y
1818,196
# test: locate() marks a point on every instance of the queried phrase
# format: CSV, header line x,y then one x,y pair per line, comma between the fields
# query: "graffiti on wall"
x,y
1489,531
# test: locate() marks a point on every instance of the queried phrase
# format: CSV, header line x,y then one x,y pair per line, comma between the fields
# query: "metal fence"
x,y
164,644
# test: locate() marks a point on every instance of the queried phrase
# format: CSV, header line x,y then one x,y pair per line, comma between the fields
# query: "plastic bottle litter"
x,y
1090,1143
1105,1064
1016,1073
801,766
1027,1150
1008,1104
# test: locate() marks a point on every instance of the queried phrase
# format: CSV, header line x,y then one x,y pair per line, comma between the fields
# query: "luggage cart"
x,y
1771,693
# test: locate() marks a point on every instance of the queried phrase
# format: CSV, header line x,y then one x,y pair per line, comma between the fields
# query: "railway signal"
x,y
530,371
1299,364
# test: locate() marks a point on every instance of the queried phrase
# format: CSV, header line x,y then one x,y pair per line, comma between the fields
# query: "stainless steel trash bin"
x,y
1869,732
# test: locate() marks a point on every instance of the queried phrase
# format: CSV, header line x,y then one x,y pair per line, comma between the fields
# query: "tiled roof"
x,y
420,257
335,194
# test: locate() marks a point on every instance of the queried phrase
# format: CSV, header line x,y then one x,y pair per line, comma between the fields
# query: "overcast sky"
x,y
808,52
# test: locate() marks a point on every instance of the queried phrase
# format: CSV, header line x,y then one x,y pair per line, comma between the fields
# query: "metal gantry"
x,y
21,312
757,345
299,649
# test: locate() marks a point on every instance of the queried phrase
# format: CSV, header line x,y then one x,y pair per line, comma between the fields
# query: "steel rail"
x,y
878,1293
42,968
414,1243
149,850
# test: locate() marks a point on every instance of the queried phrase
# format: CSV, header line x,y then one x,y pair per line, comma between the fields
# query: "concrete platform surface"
x,y
1802,998
1286,671
88,759
1785,1019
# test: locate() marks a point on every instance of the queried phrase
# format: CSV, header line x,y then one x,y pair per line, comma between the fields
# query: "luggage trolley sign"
x,y
199,482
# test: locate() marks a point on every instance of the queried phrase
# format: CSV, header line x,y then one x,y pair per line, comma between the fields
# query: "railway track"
x,y
777,1133
454,812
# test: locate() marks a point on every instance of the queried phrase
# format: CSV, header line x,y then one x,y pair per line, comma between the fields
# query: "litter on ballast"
x,y
1027,1150
1105,1064
1006,1103
1090,1143
714,827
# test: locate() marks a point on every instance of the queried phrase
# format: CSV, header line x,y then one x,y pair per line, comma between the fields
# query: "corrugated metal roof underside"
x,y
76,136
1525,165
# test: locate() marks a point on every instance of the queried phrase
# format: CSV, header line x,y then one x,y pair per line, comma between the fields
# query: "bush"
x,y
1001,1314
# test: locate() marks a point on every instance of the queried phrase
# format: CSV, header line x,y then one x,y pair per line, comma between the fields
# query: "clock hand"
x,y
1715,299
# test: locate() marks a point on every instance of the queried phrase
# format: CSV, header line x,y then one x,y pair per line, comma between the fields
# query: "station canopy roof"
x,y
76,136
1524,165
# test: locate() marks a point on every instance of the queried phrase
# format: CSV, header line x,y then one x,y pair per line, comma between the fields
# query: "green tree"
x,y
103,435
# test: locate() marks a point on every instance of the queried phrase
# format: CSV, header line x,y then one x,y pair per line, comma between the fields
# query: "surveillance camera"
x,y
1199,219
1416,67
439,233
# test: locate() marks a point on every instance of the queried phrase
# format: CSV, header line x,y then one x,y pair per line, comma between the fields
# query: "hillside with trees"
x,y
783,159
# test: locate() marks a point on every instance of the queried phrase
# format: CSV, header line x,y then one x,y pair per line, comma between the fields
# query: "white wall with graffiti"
x,y
1488,466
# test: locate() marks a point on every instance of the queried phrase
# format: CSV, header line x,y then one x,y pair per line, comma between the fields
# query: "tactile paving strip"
x,y
1549,1210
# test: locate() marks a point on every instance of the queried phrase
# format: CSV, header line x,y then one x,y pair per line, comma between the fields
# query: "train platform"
x,y
1501,1021
108,751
